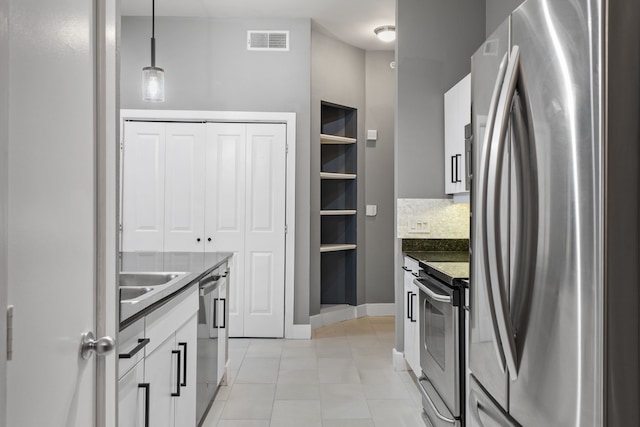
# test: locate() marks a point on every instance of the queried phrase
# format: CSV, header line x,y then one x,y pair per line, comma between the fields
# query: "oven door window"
x,y
434,333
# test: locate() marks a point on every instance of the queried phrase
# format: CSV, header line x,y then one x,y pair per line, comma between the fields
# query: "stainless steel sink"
x,y
145,279
128,293
139,290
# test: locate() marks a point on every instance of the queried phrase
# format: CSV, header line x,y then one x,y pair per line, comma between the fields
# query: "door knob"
x,y
208,239
101,346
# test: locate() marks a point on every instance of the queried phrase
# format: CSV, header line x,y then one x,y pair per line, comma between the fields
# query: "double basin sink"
x,y
140,290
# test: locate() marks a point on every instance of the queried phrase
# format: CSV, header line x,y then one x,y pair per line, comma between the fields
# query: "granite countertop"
x,y
194,265
448,266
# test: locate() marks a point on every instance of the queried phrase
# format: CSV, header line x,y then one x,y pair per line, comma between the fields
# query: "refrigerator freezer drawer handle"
x,y
433,406
436,297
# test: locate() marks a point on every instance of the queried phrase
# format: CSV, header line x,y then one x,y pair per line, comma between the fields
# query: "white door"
x,y
265,233
225,206
52,212
143,164
184,187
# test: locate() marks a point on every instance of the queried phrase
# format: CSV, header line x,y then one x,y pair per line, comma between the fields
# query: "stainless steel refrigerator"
x,y
554,303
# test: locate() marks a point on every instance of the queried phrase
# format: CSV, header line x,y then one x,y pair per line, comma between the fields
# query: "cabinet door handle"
x,y
184,363
411,304
146,388
215,312
453,179
177,392
405,268
458,158
198,240
141,344
224,313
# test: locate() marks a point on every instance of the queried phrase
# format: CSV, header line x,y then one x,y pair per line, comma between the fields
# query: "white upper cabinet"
x,y
457,114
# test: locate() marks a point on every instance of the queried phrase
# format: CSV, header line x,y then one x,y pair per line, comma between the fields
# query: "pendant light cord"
x,y
153,33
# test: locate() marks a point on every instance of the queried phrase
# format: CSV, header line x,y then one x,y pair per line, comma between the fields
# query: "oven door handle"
x,y
434,296
433,405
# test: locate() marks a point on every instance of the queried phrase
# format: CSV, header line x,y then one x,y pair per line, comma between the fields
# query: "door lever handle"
x,y
101,346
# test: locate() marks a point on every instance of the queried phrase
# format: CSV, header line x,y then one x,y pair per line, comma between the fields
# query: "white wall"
x,y
207,67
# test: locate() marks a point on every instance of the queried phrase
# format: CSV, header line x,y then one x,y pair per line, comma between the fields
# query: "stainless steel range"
x,y
442,348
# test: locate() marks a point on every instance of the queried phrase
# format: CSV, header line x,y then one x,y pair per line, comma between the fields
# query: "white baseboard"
x,y
388,309
351,312
300,332
399,363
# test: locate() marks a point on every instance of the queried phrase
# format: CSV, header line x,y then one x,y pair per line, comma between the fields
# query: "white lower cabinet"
x,y
132,396
160,389
160,374
411,316
186,340
222,323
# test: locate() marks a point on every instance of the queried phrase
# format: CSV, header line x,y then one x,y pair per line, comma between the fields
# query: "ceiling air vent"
x,y
268,40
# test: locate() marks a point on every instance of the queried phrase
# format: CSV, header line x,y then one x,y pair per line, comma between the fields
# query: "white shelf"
x,y
332,175
333,139
336,248
338,212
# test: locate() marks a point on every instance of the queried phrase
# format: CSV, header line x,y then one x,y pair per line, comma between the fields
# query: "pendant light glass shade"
x,y
153,84
153,77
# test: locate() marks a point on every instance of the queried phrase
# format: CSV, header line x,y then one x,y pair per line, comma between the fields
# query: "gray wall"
x,y
4,144
207,67
337,76
436,39
498,11
379,230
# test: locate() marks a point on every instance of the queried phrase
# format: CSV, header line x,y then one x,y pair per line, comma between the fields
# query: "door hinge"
x,y
9,332
286,149
286,229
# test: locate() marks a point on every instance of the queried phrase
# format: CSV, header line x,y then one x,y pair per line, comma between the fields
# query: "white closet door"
x,y
143,187
184,187
225,206
265,230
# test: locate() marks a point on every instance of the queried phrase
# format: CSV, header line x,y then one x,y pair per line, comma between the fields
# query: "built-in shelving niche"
x,y
338,210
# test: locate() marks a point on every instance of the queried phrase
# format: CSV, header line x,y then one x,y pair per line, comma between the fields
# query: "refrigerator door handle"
x,y
492,219
486,151
527,222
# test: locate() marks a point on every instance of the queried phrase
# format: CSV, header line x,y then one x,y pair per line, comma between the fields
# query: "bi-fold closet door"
x,y
213,187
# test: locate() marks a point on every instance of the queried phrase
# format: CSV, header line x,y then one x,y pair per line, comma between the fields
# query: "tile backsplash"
x,y
432,219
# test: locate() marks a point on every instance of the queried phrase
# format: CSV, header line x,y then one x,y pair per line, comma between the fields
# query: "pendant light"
x,y
153,77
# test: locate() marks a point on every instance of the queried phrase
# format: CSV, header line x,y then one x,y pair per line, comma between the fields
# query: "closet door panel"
x,y
184,187
265,230
225,206
142,187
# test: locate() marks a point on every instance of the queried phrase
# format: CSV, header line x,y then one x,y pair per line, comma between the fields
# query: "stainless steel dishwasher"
x,y
212,317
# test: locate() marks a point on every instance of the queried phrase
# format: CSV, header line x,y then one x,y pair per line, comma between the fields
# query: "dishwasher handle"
x,y
208,284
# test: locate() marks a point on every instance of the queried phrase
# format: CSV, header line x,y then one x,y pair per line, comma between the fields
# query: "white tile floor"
x,y
343,377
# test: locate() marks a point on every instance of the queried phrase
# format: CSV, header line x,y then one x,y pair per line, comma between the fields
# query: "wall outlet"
x,y
419,226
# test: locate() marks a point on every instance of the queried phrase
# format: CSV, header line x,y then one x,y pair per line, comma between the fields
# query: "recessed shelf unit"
x,y
338,214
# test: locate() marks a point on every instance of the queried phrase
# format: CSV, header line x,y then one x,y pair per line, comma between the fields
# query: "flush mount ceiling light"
x,y
386,33
153,77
